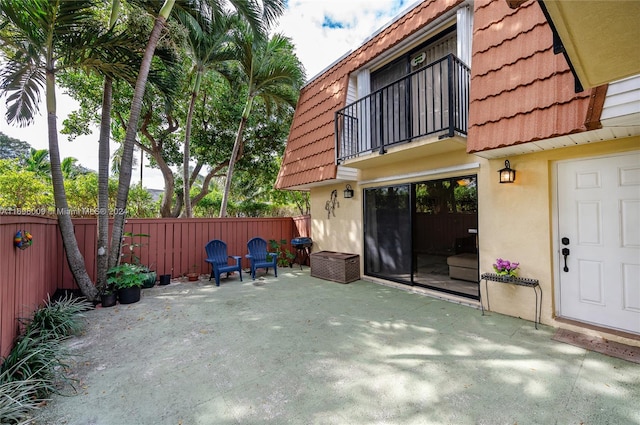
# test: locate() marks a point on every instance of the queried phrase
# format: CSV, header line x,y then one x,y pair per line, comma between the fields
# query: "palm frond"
x,y
22,83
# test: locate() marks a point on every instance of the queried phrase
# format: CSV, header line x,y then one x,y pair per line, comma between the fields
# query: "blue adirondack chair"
x,y
219,260
260,258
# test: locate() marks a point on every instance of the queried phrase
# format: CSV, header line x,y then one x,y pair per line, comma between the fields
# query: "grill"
x,y
303,249
298,243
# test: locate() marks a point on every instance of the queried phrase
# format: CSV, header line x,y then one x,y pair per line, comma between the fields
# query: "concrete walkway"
x,y
299,350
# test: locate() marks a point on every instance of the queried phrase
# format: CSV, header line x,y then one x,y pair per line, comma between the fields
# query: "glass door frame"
x,y
409,278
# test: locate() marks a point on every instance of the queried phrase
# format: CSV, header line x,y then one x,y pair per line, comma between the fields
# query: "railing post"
x,y
336,129
452,103
381,123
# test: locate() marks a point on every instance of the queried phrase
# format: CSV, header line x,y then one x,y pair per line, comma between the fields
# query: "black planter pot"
x,y
129,295
108,300
165,279
150,280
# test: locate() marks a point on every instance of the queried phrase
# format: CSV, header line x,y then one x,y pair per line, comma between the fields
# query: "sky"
x,y
322,30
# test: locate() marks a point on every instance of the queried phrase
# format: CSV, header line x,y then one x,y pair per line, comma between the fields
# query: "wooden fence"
x,y
26,276
173,247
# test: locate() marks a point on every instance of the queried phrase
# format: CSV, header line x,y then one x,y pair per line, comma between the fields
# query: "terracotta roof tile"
x,y
310,153
535,125
520,91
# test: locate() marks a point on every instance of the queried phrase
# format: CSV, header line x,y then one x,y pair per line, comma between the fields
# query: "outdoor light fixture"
x,y
507,175
348,192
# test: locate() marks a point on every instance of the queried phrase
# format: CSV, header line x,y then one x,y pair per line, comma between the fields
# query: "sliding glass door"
x,y
424,234
387,232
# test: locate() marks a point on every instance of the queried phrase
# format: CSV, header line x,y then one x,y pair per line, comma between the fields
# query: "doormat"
x,y
599,345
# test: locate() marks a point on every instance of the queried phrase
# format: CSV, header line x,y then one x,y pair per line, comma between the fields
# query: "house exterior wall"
x,y
522,95
310,153
516,222
342,232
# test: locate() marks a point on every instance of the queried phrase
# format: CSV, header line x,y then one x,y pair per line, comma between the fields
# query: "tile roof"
x,y
310,153
520,90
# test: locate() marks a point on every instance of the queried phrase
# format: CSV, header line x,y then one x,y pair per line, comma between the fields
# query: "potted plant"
x,y
127,280
285,257
129,250
193,275
108,296
150,278
506,269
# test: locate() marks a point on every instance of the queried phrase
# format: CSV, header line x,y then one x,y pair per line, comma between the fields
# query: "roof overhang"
x,y
614,129
599,38
343,175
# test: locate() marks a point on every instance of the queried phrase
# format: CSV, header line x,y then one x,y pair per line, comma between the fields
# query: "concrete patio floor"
x,y
300,350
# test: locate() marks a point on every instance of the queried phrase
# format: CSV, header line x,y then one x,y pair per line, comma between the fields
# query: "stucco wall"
x,y
516,222
342,232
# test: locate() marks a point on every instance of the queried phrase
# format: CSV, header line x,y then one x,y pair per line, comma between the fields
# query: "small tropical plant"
x,y
285,257
36,357
129,248
36,363
126,276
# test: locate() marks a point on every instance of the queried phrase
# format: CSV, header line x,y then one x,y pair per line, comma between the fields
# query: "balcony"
x,y
432,101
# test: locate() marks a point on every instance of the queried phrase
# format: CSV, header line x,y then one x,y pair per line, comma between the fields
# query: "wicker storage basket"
x,y
336,266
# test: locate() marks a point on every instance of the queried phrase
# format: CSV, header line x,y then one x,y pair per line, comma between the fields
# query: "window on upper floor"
x,y
418,88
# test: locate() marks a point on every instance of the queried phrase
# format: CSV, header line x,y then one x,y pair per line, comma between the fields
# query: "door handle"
x,y
565,253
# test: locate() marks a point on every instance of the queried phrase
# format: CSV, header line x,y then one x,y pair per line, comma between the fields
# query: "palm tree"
x,y
206,51
39,38
38,162
271,71
259,19
102,238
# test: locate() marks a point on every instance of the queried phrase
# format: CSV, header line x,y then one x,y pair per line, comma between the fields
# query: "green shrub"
x,y
58,319
37,358
36,362
18,396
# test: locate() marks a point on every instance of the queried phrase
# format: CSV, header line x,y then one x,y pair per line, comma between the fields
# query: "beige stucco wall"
x,y
342,232
516,221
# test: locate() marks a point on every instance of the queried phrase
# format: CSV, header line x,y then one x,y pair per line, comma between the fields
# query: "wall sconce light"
x,y
348,192
507,174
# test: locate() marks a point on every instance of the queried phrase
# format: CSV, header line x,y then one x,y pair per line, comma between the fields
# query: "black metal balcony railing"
x,y
433,99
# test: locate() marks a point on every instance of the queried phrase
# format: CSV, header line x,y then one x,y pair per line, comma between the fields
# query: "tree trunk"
x,y
187,213
169,188
74,256
103,186
207,179
155,150
234,157
130,136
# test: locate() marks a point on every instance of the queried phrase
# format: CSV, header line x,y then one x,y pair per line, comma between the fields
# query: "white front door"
x,y
599,225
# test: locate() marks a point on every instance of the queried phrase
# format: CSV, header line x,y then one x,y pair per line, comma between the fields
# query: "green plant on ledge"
x,y
285,257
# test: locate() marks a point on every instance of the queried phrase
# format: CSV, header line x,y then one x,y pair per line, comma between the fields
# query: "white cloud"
x,y
309,24
322,30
